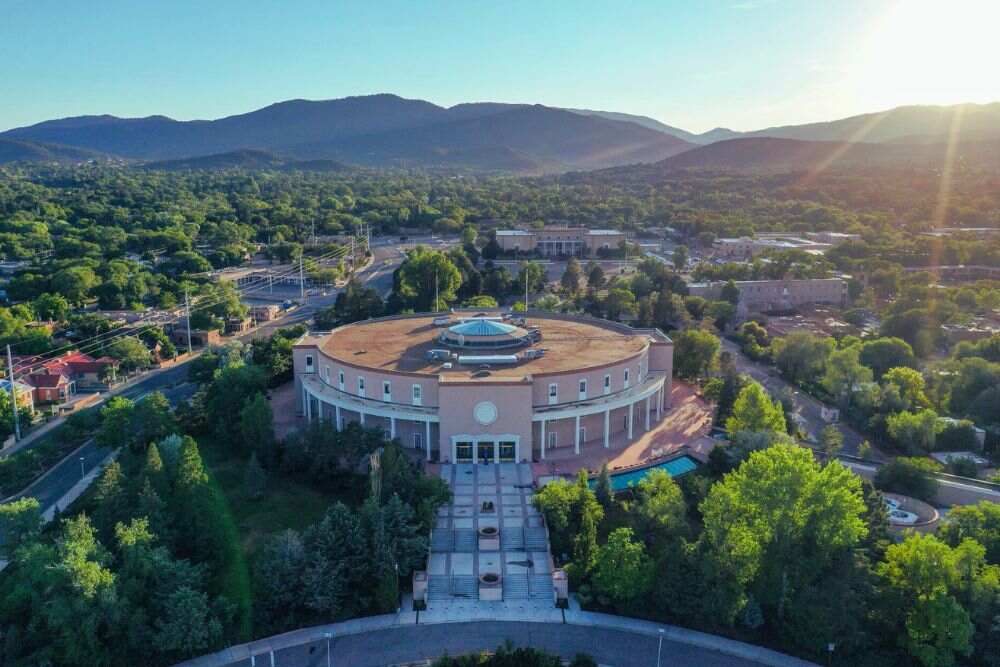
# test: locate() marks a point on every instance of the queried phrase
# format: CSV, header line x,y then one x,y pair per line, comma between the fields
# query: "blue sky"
x,y
742,64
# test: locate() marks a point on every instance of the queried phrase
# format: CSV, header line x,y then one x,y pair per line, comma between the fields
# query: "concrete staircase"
x,y
512,539
515,587
535,539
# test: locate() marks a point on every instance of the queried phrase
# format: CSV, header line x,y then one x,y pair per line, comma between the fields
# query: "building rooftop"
x,y
513,232
401,345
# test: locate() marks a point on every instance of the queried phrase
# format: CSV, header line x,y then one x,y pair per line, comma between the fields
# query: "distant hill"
x,y
526,138
14,150
776,154
377,130
920,124
243,159
645,121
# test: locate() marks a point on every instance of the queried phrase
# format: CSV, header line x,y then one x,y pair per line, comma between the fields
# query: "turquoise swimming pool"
x,y
674,467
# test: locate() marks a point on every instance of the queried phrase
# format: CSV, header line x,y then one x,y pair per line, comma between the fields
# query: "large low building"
x,y
559,241
777,295
488,388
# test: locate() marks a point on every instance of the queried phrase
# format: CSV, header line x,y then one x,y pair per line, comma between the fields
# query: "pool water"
x,y
674,467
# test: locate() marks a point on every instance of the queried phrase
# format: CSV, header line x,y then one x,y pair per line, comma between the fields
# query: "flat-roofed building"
x,y
777,295
559,241
489,389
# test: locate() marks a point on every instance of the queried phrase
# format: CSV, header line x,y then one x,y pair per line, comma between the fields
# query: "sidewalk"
x,y
549,617
67,499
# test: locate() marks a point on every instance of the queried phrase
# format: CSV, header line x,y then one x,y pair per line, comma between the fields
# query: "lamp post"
x,y
829,653
659,647
83,472
328,636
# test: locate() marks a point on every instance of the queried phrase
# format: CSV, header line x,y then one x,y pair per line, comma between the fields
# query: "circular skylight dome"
x,y
485,333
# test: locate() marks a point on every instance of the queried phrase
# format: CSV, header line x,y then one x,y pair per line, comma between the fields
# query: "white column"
x,y
337,415
496,451
308,405
362,415
543,438
647,412
427,426
576,436
659,404
319,406
631,415
392,427
607,428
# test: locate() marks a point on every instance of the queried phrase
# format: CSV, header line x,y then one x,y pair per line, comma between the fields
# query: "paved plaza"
x,y
496,497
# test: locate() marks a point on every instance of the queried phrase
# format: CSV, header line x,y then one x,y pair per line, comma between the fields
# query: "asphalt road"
x,y
805,405
411,643
173,383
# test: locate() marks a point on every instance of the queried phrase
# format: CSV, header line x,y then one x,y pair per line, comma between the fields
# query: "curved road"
x,y
411,643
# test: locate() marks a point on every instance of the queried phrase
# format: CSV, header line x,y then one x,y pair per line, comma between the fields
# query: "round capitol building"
x,y
488,387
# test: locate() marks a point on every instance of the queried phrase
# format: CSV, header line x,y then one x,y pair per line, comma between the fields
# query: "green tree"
x,y
534,273
257,426
979,522
927,577
845,374
564,505
255,479
730,293
572,277
831,440
619,303
680,257
423,272
280,590
595,275
116,423
882,354
659,509
779,520
754,411
20,523
110,499
909,476
622,570
53,307
801,356
152,420
603,490
914,432
336,574
695,352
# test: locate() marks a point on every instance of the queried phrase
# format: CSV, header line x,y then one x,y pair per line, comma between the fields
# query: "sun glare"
x,y
932,52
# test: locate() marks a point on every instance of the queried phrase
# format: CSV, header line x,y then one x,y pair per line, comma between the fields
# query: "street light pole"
x,y
328,636
82,469
659,648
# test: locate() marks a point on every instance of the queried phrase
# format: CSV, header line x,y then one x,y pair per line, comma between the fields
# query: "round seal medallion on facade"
x,y
485,413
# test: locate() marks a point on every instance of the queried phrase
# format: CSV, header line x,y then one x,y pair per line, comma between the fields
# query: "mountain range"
x,y
390,131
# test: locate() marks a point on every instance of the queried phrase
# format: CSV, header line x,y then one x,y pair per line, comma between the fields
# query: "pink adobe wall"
x,y
401,383
569,382
513,402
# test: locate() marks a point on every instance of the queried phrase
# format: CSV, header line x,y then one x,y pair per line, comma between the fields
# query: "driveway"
x,y
411,643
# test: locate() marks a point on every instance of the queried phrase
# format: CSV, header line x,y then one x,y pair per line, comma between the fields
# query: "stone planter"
x,y
490,587
489,538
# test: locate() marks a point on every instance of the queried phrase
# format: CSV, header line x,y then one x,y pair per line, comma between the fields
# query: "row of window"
x,y
416,391
582,394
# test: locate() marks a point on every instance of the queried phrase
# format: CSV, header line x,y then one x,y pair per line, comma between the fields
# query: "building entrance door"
x,y
485,452
463,452
508,452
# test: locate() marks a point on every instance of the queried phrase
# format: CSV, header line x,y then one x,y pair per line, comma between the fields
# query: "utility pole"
x,y
314,232
13,395
302,278
435,293
525,271
187,313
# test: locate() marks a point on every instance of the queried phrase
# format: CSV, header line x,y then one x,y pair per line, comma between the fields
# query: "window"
x,y
386,391
553,393
583,434
417,397
326,374
552,439
309,363
607,384
340,380
418,441
626,378
361,386
583,389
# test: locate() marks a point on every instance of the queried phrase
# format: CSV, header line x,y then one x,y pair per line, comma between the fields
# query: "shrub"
x,y
911,476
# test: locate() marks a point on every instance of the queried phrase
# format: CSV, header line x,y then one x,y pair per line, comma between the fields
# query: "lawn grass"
x,y
287,502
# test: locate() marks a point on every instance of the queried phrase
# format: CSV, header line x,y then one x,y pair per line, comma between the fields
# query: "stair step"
x,y
515,587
